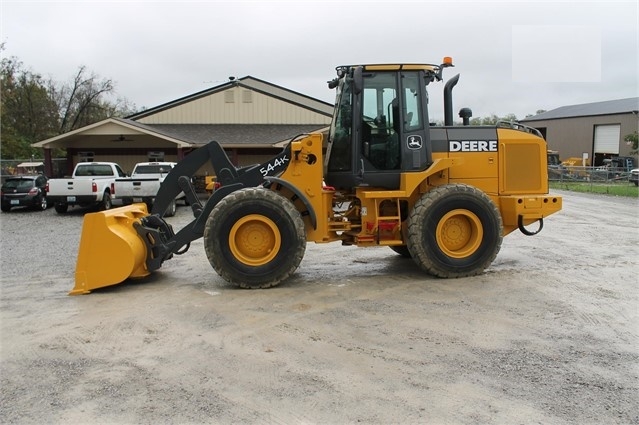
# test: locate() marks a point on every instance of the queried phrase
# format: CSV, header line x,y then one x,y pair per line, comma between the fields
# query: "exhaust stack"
x,y
448,100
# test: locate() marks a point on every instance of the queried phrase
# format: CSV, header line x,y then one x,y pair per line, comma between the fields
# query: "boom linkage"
x,y
160,240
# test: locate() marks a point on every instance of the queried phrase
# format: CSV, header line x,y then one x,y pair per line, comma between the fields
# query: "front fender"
x,y
310,212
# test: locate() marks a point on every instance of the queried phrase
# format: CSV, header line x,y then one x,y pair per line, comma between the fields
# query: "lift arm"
x,y
158,235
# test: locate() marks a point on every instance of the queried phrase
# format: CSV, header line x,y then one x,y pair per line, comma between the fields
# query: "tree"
x,y
28,113
492,119
539,111
81,103
633,138
35,109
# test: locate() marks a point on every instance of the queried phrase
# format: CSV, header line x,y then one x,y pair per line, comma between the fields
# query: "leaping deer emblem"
x,y
414,142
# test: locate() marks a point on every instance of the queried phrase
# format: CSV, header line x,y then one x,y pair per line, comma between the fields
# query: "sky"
x,y
513,57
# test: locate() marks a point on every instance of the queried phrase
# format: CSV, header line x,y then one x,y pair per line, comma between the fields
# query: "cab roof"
x,y
394,67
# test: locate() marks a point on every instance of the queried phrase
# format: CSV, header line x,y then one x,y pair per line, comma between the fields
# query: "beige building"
x,y
251,118
595,130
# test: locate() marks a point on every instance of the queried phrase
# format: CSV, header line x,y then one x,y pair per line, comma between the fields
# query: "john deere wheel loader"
x,y
443,195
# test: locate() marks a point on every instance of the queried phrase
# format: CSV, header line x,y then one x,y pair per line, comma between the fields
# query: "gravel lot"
x,y
549,334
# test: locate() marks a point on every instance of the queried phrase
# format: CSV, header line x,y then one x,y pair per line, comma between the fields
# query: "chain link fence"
x,y
595,175
604,180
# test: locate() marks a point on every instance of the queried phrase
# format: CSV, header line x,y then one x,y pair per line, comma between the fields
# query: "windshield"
x,y
94,170
152,169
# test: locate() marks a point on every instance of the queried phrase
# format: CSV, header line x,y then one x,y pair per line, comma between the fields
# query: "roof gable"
x,y
105,130
249,83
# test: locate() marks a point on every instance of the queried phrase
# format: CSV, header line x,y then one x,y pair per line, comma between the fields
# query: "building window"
x,y
156,156
85,156
247,96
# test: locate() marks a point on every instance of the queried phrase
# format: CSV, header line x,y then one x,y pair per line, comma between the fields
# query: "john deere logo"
x,y
414,142
472,146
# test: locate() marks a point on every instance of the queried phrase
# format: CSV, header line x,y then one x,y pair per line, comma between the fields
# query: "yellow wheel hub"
x,y
459,233
254,240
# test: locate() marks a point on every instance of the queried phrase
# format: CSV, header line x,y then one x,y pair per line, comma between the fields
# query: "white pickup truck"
x,y
91,184
144,184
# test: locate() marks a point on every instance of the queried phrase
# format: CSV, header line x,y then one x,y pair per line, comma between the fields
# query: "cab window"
x,y
412,107
381,121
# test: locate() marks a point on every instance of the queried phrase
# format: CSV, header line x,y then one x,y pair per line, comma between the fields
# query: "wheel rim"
x,y
255,240
43,203
459,233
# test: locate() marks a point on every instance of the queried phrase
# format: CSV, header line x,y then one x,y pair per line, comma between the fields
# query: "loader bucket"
x,y
110,249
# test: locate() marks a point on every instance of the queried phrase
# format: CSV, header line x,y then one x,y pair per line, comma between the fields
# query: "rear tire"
x,y
43,205
401,250
454,231
61,208
255,238
5,208
106,204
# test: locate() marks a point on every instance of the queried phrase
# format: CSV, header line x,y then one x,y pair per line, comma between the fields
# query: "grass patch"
x,y
629,190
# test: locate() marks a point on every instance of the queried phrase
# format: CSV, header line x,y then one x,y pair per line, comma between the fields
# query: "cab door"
x,y
393,135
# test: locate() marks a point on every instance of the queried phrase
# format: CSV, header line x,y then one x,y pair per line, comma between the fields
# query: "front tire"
x,y
454,231
255,238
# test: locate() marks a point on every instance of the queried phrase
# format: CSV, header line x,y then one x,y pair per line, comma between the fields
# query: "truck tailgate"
x,y
136,188
70,187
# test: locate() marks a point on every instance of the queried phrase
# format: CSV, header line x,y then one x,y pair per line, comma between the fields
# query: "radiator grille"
x,y
521,167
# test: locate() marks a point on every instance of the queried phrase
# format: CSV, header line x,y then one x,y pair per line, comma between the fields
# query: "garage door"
x,y
607,138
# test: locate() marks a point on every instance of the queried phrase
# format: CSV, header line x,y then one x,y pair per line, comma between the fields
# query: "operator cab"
x,y
380,125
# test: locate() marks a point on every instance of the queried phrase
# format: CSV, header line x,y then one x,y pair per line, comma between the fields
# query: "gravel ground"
x,y
549,334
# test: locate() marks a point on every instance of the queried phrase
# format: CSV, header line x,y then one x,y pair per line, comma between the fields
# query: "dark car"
x,y
24,191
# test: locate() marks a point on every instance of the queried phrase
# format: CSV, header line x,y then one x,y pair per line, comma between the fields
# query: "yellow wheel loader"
x,y
385,176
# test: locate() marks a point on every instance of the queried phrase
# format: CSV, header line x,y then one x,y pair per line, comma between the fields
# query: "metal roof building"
x,y
592,130
251,118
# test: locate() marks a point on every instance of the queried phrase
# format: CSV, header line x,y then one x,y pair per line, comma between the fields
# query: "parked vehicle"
x,y
24,191
616,168
90,185
634,176
211,184
144,184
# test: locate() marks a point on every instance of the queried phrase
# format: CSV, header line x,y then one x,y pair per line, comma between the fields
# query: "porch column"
x,y
48,163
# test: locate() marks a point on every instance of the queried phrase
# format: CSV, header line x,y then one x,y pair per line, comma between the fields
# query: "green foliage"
x,y
492,119
539,111
35,109
28,114
634,139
